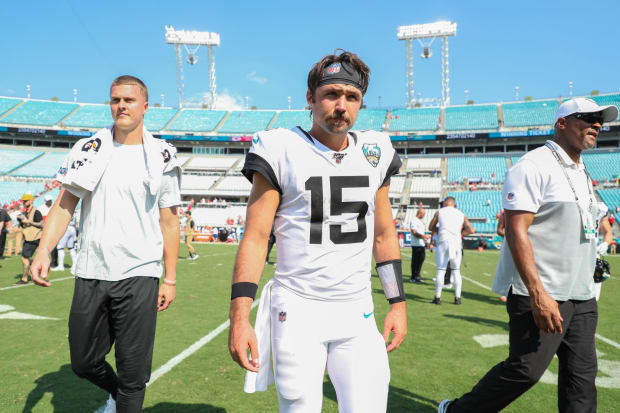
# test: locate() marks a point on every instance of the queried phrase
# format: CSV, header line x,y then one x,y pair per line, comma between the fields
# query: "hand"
x,y
546,313
167,294
395,321
40,268
427,236
241,337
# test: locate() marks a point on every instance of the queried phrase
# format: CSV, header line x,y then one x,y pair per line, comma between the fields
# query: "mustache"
x,y
339,116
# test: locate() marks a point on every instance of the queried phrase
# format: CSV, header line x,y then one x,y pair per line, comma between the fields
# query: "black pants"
x,y
272,240
418,254
54,257
3,233
105,312
531,352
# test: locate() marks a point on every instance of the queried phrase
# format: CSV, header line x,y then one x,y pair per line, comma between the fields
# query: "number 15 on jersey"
x,y
336,184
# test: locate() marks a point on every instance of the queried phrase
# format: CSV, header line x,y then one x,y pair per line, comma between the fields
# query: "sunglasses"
x,y
590,118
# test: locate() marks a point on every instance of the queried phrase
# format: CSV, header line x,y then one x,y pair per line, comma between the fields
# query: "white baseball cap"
x,y
48,197
585,105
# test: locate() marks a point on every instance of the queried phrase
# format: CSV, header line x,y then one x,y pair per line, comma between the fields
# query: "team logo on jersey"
x,y
93,144
338,157
333,68
62,171
166,155
510,196
372,152
282,316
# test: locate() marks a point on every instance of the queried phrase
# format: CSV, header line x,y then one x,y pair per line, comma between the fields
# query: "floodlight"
x,y
195,38
430,31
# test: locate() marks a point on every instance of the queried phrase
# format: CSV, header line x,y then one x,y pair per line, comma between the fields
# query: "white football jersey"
x,y
450,221
324,225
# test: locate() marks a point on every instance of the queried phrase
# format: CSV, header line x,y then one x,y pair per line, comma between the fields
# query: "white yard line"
x,y
170,364
31,284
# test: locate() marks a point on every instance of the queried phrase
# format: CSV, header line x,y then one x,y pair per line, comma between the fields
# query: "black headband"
x,y
341,72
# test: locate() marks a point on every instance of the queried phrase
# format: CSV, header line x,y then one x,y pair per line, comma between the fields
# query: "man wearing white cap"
x,y
546,269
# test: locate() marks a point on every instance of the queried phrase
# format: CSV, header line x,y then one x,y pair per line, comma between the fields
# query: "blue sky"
x,y
267,48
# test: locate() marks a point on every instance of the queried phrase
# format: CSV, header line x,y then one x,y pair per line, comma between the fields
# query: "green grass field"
x,y
439,359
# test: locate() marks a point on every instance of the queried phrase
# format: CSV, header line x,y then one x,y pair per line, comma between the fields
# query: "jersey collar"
x,y
566,160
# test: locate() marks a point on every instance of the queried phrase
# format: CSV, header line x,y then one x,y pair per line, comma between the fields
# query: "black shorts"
x,y
29,248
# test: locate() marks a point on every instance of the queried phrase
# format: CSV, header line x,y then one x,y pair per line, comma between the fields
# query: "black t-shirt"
x,y
38,217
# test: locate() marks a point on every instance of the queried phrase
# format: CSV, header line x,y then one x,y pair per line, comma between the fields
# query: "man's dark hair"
x,y
316,73
131,80
188,213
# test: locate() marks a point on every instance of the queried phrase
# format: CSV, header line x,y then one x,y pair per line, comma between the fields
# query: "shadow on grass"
x,y
183,408
69,392
409,296
493,300
479,321
399,400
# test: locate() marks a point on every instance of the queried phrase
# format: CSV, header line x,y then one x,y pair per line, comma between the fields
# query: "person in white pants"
x,y
451,224
67,241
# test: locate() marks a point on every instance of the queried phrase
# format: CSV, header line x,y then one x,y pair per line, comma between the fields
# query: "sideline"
x,y
170,364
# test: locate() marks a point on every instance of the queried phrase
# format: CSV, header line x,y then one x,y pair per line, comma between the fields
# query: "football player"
x,y
326,192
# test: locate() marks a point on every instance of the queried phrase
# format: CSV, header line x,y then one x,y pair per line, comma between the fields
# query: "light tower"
x,y
187,38
428,31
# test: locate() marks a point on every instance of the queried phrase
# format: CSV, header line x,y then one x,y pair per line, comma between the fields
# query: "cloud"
x,y
258,79
225,100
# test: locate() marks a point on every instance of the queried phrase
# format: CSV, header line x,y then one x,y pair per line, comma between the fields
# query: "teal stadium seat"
x,y
13,191
13,159
474,205
537,113
418,119
471,117
45,166
247,121
39,113
157,118
90,116
197,120
613,99
611,198
6,104
482,167
290,118
602,166
370,119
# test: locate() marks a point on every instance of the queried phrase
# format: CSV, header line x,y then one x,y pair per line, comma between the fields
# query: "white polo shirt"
x,y
564,258
417,225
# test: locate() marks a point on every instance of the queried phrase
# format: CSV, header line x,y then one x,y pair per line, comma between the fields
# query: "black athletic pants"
x,y
418,254
122,312
531,352
3,233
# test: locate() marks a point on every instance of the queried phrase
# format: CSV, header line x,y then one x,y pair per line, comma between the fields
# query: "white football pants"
x,y
308,335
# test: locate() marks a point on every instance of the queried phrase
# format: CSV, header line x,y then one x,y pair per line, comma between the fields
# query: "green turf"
x,y
439,358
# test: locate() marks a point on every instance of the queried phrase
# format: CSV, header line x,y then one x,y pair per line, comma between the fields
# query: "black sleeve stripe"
x,y
393,168
255,163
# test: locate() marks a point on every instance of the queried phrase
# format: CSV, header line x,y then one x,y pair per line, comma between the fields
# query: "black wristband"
x,y
244,289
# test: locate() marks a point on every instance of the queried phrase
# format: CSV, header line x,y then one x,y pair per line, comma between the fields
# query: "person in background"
x,y
15,233
189,235
5,223
418,245
31,222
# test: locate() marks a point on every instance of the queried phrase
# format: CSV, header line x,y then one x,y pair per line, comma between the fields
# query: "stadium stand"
x,y
370,119
157,118
90,116
476,205
515,159
536,113
602,166
423,164
247,121
233,185
13,159
397,184
471,117
290,118
197,120
36,112
425,187
7,103
211,163
611,198
412,211
45,166
479,167
41,199
13,190
197,184
419,119
612,99
217,216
